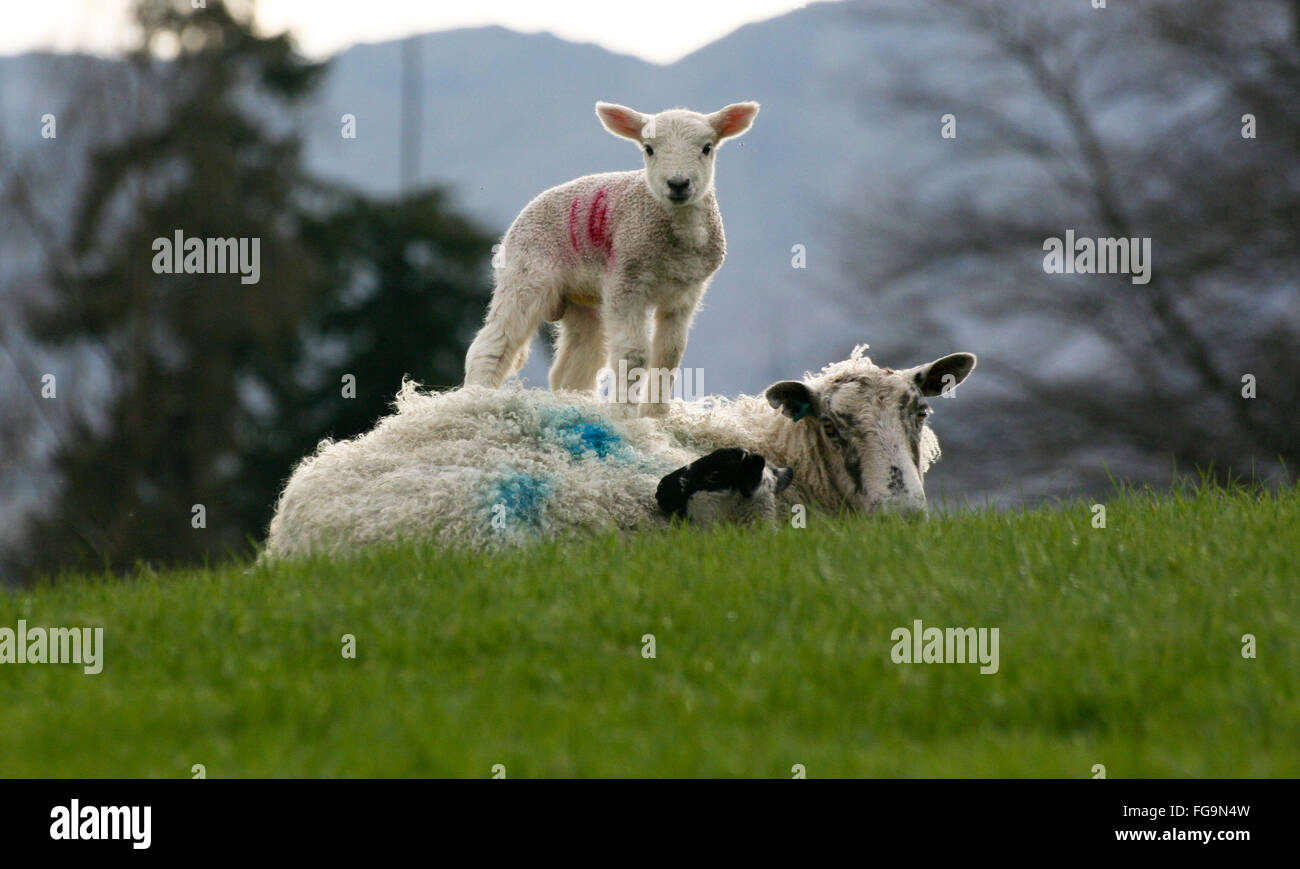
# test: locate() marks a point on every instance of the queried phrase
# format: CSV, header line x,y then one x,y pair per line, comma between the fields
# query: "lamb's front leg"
x,y
626,315
672,326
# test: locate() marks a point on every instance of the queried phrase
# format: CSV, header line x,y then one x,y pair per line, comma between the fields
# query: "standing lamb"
x,y
598,253
478,467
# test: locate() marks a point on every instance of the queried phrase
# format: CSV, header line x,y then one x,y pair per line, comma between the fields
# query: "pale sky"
x,y
657,30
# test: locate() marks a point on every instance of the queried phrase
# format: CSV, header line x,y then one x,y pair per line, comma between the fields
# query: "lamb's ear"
x,y
733,120
622,121
794,399
944,373
751,473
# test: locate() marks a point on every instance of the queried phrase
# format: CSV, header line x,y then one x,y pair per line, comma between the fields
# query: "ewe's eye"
x,y
708,148
649,151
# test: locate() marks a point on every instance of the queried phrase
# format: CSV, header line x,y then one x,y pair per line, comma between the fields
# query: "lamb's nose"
x,y
677,186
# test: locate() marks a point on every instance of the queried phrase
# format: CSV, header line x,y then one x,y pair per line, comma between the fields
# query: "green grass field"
x,y
1119,646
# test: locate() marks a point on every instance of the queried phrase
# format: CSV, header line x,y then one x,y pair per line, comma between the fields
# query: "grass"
x,y
1118,646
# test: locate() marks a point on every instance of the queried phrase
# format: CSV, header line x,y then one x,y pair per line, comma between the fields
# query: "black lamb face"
x,y
727,485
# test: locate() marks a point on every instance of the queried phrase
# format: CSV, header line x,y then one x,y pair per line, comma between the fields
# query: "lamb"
x,y
727,485
483,467
595,255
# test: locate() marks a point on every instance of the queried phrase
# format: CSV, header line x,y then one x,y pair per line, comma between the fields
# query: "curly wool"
x,y
476,467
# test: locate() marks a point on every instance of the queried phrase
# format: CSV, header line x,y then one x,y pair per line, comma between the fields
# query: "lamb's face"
x,y
729,485
679,146
874,423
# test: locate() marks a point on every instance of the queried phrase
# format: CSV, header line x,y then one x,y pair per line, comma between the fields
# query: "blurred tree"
x,y
399,290
216,385
1114,123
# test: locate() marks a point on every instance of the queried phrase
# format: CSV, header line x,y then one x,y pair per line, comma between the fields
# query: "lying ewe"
x,y
482,467
598,253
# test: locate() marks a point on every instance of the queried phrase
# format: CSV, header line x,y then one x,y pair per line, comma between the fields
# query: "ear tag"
x,y
803,411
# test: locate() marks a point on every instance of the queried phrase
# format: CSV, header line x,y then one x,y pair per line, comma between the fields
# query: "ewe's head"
x,y
727,485
678,145
873,422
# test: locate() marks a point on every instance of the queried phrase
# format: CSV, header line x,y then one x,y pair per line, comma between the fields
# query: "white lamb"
x,y
599,253
480,467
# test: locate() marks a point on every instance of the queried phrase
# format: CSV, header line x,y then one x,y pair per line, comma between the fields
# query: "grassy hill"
x,y
1119,646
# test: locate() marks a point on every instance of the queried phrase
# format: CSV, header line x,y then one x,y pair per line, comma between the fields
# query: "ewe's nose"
x,y
678,187
907,504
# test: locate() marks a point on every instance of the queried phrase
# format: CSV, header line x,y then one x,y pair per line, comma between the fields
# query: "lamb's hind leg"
x,y
579,349
517,309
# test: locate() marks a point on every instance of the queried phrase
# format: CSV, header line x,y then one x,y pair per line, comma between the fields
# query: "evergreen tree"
x,y
217,386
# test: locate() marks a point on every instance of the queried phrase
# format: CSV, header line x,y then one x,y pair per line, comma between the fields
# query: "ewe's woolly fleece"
x,y
556,461
445,465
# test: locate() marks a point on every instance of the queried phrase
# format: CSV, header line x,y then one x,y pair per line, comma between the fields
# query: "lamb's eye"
x,y
708,148
649,151
922,412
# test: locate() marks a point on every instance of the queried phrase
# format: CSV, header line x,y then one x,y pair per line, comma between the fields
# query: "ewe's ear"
x,y
733,120
794,399
622,121
943,373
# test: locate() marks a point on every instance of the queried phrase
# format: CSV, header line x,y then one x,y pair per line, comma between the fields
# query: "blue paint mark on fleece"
x,y
523,496
582,436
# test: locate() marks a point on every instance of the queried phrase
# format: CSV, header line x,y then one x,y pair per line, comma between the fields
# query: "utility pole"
x,y
412,113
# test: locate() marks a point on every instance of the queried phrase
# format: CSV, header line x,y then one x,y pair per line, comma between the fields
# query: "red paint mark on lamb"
x,y
573,224
598,222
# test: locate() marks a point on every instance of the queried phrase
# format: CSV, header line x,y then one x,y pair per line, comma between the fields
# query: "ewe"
x,y
483,467
599,253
